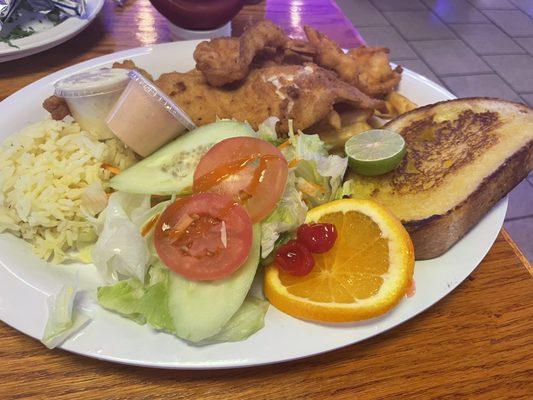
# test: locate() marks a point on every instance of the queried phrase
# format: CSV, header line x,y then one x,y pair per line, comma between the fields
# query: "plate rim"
x,y
54,36
183,365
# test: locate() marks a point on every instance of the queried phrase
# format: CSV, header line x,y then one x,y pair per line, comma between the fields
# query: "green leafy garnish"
x,y
16,33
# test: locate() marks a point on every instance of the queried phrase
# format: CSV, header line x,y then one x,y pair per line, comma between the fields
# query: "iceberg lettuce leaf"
x,y
63,319
346,190
267,130
141,303
315,180
318,174
149,304
287,216
121,251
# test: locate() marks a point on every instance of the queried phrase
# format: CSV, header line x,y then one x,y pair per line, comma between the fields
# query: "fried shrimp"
x,y
366,68
226,60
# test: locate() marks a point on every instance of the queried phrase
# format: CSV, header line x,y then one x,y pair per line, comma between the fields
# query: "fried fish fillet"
x,y
366,68
294,51
303,93
57,107
226,60
129,64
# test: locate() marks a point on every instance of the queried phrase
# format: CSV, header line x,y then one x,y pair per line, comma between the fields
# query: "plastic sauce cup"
x,y
144,118
90,95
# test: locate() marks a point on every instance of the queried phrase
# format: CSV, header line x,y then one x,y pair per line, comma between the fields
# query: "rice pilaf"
x,y
45,170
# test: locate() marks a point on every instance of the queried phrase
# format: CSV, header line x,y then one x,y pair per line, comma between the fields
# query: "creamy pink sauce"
x,y
142,122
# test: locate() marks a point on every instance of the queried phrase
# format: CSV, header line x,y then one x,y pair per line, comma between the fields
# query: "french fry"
x,y
352,122
396,105
341,125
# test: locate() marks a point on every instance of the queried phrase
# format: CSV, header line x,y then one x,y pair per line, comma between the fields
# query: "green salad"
x,y
188,228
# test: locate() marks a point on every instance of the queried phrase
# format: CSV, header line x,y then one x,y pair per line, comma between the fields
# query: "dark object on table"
x,y
198,14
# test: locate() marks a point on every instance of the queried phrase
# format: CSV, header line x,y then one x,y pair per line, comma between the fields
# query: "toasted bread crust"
x,y
461,161
435,235
430,106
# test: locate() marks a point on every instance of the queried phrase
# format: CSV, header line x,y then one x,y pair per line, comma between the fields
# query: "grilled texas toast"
x,y
462,157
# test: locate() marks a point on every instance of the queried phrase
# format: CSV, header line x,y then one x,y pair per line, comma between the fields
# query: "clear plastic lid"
x,y
154,92
90,83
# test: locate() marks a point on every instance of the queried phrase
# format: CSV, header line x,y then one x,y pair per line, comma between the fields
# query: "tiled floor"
x,y
474,48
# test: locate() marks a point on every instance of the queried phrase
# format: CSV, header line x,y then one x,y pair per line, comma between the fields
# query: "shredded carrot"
x,y
310,188
318,187
294,163
110,168
149,225
284,144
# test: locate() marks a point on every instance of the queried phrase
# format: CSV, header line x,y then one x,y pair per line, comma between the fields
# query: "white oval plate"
x,y
49,38
25,281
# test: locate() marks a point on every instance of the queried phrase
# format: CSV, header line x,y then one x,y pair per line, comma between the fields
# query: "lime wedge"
x,y
375,152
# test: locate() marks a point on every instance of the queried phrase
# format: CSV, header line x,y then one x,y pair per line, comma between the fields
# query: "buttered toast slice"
x,y
462,157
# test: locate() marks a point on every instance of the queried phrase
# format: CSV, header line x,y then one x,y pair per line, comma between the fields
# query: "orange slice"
x,y
364,275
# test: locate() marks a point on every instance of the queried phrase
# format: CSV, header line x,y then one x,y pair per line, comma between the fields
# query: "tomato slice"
x,y
249,170
205,236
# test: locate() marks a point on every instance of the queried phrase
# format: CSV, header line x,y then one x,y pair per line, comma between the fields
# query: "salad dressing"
x,y
214,177
192,224
149,225
91,95
144,118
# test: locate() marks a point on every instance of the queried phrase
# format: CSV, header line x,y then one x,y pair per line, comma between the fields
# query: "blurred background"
x,y
471,47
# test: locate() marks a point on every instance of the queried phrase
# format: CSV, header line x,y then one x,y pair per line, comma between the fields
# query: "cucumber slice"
x,y
170,169
200,309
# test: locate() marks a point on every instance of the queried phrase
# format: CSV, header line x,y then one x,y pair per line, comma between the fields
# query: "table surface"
x,y
475,343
